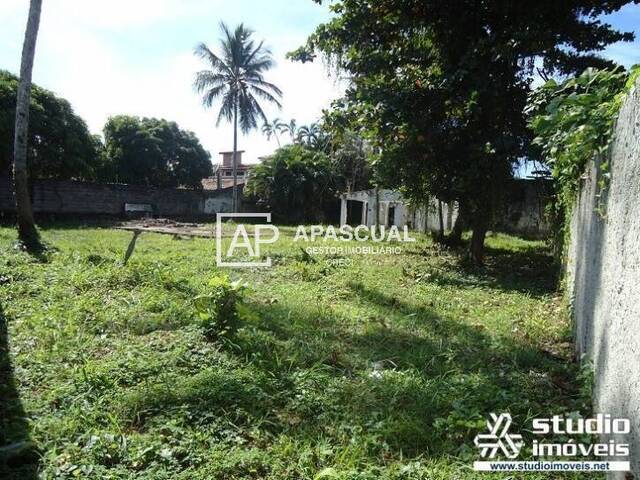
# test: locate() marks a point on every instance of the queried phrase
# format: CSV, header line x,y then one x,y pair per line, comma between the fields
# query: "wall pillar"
x,y
343,210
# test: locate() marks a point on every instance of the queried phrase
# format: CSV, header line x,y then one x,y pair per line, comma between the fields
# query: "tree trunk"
x,y
455,237
27,231
234,164
476,247
441,220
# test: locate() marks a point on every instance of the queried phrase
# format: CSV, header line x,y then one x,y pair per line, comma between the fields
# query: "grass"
x,y
383,368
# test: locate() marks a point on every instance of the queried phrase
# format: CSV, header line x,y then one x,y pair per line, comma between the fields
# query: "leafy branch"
x,y
574,123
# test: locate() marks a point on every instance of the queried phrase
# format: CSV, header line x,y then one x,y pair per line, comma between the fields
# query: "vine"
x,y
574,123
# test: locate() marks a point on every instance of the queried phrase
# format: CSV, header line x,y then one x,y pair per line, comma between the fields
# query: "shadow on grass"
x,y
404,381
18,456
529,270
412,378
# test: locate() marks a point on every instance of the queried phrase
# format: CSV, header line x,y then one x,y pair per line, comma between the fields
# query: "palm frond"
x,y
265,95
212,94
227,108
206,54
236,76
207,79
256,54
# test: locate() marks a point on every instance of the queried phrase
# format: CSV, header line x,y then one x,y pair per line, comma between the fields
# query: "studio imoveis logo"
x,y
499,438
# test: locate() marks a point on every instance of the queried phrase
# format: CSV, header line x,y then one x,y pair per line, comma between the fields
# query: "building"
x,y
522,214
388,207
223,172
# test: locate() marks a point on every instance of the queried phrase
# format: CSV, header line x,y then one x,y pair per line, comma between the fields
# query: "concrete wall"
x,y
219,201
524,212
603,273
83,198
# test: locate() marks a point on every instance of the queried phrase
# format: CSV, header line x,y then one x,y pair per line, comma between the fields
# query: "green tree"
x,y
296,184
350,160
60,145
236,76
439,88
151,151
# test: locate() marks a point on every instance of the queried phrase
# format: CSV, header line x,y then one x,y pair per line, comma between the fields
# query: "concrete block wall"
x,y
603,276
83,198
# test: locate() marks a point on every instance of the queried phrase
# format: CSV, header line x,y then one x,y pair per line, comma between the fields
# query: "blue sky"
x,y
135,56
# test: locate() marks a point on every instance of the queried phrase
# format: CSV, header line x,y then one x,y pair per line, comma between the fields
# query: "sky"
x,y
110,57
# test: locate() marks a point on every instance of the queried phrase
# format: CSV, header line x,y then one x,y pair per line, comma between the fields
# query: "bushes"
x,y
218,309
574,123
296,184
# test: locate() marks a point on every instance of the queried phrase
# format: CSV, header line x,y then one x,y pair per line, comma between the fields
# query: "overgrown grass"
x,y
385,368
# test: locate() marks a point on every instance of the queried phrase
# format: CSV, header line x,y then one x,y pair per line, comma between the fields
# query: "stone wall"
x,y
83,198
603,276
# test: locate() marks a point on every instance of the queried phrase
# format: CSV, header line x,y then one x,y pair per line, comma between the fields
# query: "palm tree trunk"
x,y
234,164
27,231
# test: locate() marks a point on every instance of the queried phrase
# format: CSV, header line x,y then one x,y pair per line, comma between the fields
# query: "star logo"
x,y
499,438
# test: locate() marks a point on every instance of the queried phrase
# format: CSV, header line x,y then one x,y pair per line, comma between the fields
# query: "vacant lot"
x,y
386,367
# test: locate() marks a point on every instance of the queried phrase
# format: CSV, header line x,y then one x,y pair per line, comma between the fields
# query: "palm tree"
x,y
270,129
27,231
306,133
236,76
312,136
290,128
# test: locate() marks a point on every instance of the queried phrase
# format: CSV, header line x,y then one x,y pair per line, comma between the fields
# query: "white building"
x,y
388,207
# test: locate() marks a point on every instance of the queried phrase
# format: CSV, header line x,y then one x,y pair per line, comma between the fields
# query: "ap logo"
x,y
499,438
246,239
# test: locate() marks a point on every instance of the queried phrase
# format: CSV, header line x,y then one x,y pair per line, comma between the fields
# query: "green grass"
x,y
385,368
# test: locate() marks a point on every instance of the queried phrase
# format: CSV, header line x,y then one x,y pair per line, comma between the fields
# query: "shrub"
x,y
218,309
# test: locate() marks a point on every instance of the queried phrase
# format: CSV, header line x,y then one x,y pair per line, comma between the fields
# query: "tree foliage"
x,y
270,129
439,88
296,184
237,77
60,145
350,160
574,122
314,137
151,151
